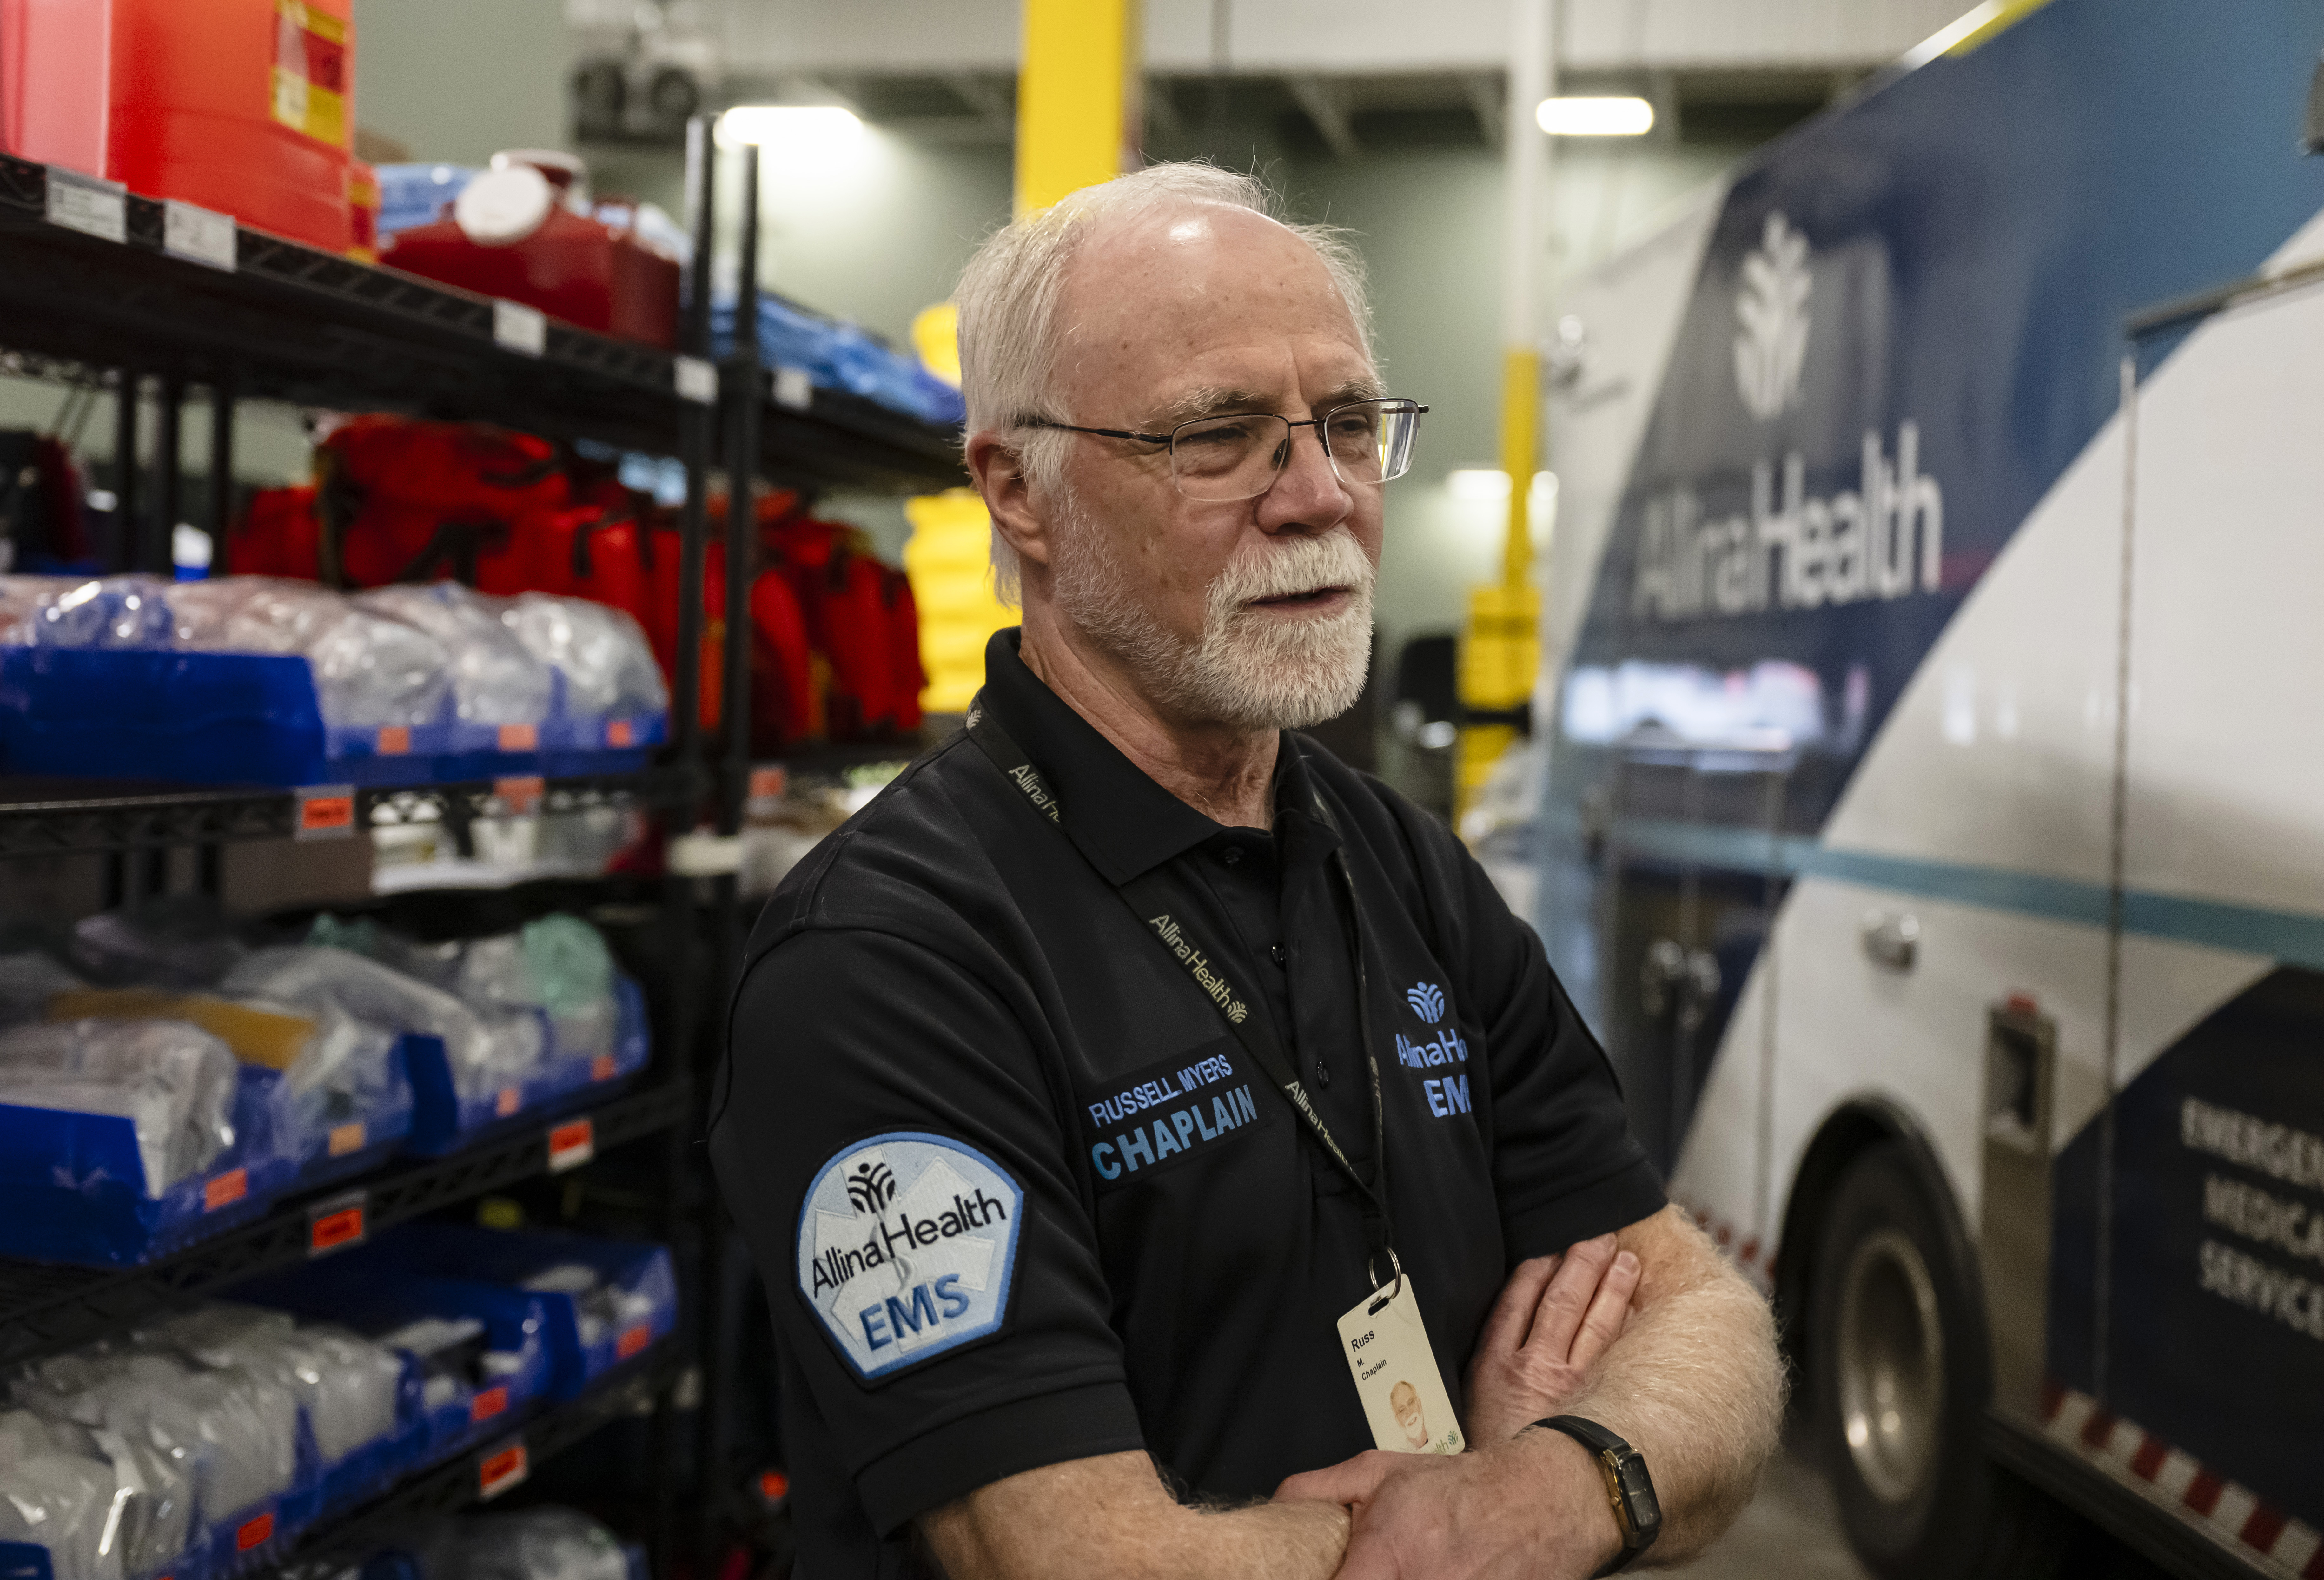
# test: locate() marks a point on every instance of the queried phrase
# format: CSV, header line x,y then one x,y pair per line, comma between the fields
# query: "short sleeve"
x,y
889,1145
1565,1166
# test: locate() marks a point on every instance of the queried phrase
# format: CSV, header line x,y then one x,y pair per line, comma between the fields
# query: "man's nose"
x,y
1307,493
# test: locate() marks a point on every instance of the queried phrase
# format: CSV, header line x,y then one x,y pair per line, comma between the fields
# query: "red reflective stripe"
x,y
2265,1524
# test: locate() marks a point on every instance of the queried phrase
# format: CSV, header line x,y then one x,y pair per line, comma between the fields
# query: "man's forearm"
x,y
1111,1519
1694,1382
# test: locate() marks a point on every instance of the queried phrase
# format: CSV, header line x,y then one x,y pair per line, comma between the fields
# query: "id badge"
x,y
1395,1374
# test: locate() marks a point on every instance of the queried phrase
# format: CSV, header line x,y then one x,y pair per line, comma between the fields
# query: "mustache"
x,y
1298,564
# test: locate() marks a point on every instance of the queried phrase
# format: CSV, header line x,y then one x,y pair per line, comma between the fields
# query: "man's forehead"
x,y
1208,301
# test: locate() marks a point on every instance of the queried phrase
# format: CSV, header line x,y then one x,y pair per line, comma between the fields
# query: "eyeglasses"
x,y
1240,457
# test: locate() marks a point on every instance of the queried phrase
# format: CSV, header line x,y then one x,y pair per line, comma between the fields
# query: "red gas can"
x,y
511,235
55,67
247,107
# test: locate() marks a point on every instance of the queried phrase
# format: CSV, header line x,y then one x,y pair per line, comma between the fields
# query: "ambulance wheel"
x,y
1898,1380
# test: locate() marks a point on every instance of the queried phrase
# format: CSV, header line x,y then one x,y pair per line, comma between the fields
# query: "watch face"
x,y
1639,1492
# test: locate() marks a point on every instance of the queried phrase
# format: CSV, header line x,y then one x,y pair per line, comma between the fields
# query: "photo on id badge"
x,y
1402,1394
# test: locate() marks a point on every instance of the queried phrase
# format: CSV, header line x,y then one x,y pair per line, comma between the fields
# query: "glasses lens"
x,y
1229,458
1371,441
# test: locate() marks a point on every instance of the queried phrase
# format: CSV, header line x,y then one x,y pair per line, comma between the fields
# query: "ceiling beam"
x,y
1485,95
1162,116
1326,105
987,98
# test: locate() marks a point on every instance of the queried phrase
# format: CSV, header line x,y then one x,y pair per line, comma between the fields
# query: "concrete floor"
x,y
1790,1529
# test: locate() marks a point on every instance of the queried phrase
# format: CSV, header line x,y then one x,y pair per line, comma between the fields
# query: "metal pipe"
x,y
741,384
1525,166
742,523
125,547
697,438
169,474
681,921
220,515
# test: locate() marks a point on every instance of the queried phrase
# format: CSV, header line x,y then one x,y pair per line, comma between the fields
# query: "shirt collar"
x,y
1122,821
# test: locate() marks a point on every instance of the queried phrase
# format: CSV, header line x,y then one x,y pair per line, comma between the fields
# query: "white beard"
x,y
1247,669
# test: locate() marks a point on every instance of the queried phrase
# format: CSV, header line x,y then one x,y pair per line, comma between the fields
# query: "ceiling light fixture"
x,y
791,128
1595,117
1476,483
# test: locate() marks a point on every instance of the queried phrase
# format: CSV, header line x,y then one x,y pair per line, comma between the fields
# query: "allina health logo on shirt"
x,y
1445,1053
905,1244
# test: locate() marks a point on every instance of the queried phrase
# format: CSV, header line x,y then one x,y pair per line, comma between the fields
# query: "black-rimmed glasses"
x,y
1240,457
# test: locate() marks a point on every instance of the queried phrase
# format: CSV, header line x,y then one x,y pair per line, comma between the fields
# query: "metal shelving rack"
x,y
114,302
46,1308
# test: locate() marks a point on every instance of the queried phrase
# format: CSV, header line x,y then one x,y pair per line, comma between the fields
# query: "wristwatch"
x,y
1629,1488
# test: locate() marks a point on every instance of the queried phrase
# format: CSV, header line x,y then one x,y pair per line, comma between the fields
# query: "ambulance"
x,y
1930,744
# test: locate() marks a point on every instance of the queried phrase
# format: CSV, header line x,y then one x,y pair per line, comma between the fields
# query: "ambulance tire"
x,y
1897,1383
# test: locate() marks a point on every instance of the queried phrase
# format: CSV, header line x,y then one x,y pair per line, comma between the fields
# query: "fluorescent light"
x,y
792,128
1481,482
1595,117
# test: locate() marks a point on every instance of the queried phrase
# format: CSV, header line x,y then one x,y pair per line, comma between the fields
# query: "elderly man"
x,y
1134,1112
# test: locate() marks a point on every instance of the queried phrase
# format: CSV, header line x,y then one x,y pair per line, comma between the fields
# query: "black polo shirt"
x,y
1020,1197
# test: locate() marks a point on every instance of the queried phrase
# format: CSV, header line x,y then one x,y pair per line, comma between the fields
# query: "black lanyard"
x,y
1150,899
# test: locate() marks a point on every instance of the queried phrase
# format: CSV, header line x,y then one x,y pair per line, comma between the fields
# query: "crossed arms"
x,y
1650,1332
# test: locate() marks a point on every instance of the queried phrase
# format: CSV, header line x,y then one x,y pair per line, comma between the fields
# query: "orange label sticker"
x,y
226,1189
520,737
571,1145
251,1533
602,1067
619,732
766,783
509,1100
499,1470
394,741
347,1138
332,1230
327,814
310,71
631,1341
491,1402
520,793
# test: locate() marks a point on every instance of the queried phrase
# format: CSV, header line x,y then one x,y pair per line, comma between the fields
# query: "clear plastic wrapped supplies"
x,y
532,1544
63,611
234,1435
559,965
495,678
487,1049
371,670
255,677
346,1383
146,1514
57,1500
609,669
173,1080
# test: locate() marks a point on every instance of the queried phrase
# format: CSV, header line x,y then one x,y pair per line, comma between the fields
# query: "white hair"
x,y
1010,337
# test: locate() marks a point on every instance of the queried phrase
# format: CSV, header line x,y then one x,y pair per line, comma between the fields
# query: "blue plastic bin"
x,y
72,1186
509,1259
443,1121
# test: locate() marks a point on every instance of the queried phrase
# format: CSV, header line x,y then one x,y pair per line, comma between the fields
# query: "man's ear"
x,y
999,468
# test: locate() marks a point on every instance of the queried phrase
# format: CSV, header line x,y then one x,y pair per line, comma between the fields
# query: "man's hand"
x,y
1690,1377
1556,1315
1530,1508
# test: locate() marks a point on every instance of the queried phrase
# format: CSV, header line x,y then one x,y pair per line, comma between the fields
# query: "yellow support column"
x,y
1078,123
1500,645
1078,109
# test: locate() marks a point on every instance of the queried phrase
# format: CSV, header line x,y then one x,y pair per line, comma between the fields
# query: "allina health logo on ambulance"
x,y
1883,539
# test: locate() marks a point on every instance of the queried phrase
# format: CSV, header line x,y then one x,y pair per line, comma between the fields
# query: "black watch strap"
x,y
1629,1488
